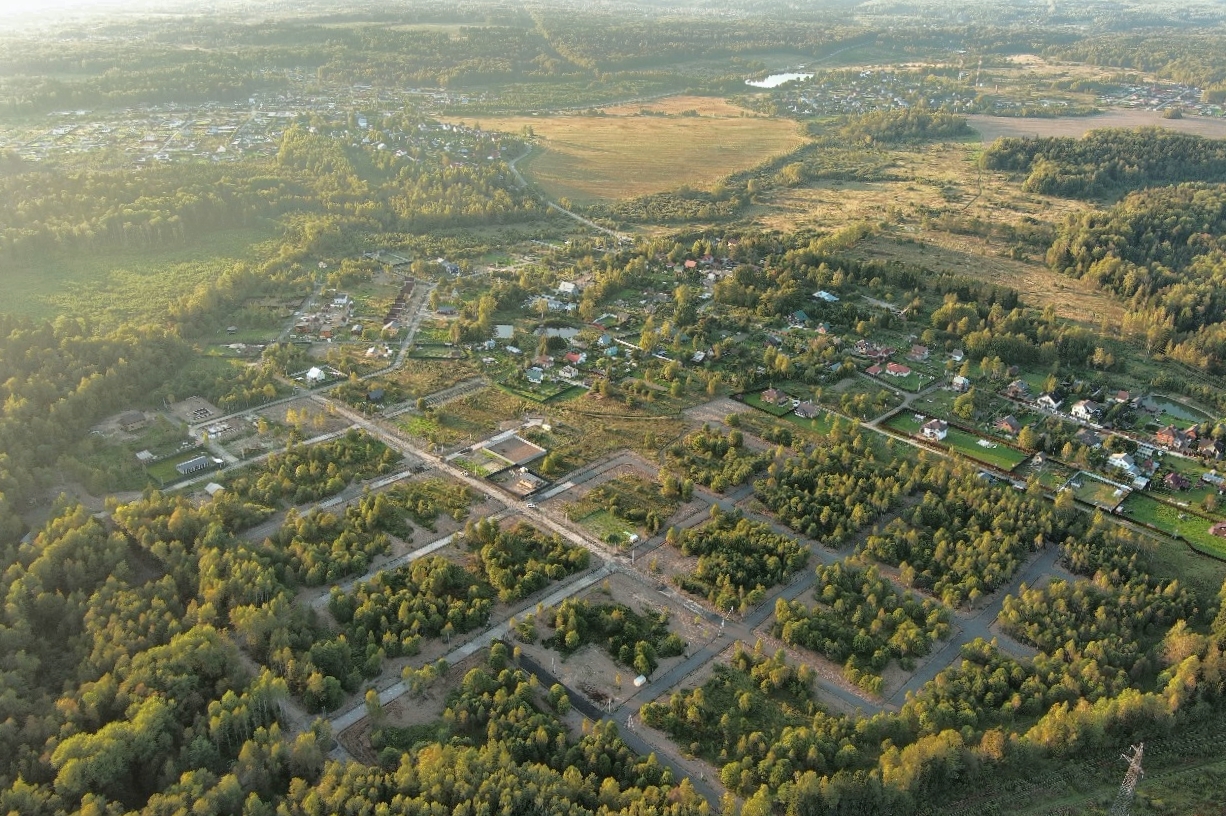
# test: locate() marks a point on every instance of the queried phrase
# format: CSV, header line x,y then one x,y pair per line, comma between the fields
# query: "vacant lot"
x,y
625,154
992,128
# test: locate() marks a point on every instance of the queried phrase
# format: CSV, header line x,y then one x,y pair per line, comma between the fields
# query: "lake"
x,y
775,80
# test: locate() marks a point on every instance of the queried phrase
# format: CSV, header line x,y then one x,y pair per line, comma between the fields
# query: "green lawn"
x,y
912,382
545,392
774,410
1096,492
998,455
961,442
605,526
1175,522
116,285
905,423
821,424
164,472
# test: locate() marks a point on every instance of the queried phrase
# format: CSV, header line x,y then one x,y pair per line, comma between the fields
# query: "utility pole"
x,y
1123,799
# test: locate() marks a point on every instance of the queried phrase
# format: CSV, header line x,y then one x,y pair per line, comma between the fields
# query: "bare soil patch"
x,y
409,710
715,410
591,670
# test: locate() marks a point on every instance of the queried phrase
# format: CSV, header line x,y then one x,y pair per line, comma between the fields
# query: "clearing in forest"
x,y
635,150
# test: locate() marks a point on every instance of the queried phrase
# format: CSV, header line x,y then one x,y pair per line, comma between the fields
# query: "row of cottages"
x,y
1189,441
869,349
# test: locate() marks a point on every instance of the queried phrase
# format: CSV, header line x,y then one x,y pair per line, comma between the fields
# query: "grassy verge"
x,y
1175,522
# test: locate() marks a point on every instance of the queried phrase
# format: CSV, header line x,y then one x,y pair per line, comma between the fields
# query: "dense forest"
x,y
1109,161
1161,250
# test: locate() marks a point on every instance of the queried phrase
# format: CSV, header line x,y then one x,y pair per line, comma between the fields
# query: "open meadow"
x,y
681,141
116,285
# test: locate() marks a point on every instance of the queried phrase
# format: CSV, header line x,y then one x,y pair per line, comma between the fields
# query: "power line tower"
x,y
1123,799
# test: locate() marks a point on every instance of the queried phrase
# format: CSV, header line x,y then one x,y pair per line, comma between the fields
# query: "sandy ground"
x,y
591,669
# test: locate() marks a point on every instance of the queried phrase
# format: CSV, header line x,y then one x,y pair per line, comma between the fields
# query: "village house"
x,y
1086,437
1008,425
1085,410
874,370
1176,481
773,396
1174,439
808,410
919,353
1018,389
934,429
1124,462
1210,448
897,370
1048,402
960,384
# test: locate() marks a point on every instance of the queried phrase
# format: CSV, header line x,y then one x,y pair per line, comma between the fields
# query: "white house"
x,y
1085,410
1048,402
315,375
1124,462
934,429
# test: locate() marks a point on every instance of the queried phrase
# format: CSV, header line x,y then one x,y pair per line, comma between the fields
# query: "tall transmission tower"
x,y
1123,799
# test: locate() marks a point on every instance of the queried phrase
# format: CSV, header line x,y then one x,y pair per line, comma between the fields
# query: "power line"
x,y
1123,799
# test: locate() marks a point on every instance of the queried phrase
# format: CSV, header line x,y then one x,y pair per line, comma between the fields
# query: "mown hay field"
x,y
625,153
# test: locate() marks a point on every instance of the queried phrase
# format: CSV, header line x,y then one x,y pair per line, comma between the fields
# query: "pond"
x,y
567,334
1177,411
775,80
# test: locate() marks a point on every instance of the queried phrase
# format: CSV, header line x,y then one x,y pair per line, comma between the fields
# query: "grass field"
x,y
963,443
774,410
1175,522
1097,492
992,128
115,285
608,527
918,208
624,154
997,455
